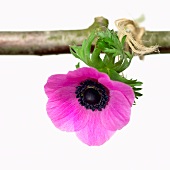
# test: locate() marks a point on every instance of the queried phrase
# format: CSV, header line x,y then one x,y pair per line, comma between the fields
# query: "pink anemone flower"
x,y
87,102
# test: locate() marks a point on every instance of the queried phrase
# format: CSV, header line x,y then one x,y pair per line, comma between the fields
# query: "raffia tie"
x,y
134,35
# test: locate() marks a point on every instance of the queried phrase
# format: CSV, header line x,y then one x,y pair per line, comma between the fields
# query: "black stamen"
x,y
92,95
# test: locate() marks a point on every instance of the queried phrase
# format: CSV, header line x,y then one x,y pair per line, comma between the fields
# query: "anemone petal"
x,y
84,73
94,133
117,112
125,89
54,82
65,112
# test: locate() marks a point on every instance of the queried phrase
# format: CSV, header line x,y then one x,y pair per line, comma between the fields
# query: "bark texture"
x,y
58,42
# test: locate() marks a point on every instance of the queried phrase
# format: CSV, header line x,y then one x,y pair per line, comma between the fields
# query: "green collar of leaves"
x,y
115,60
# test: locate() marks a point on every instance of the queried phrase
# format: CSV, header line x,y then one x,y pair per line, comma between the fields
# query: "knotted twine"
x,y
134,34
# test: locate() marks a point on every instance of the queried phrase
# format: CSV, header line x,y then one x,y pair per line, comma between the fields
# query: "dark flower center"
x,y
92,95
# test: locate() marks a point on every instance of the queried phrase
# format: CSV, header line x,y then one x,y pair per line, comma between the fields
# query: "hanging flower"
x,y
89,103
95,101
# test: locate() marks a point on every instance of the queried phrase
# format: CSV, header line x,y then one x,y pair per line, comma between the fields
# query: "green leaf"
x,y
75,51
115,61
96,61
87,46
124,65
112,51
108,61
77,65
115,76
123,40
83,52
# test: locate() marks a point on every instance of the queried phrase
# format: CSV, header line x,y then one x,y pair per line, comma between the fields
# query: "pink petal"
x,y
94,134
125,89
54,82
65,112
85,73
72,78
117,113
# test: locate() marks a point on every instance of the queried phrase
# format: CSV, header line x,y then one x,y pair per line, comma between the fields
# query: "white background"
x,y
28,139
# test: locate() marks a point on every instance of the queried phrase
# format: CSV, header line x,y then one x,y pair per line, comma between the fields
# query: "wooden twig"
x,y
58,42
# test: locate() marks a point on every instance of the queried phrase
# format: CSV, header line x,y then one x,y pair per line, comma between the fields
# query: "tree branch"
x,y
57,42
161,38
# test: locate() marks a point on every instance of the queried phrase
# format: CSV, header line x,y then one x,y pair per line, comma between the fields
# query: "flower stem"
x,y
58,42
